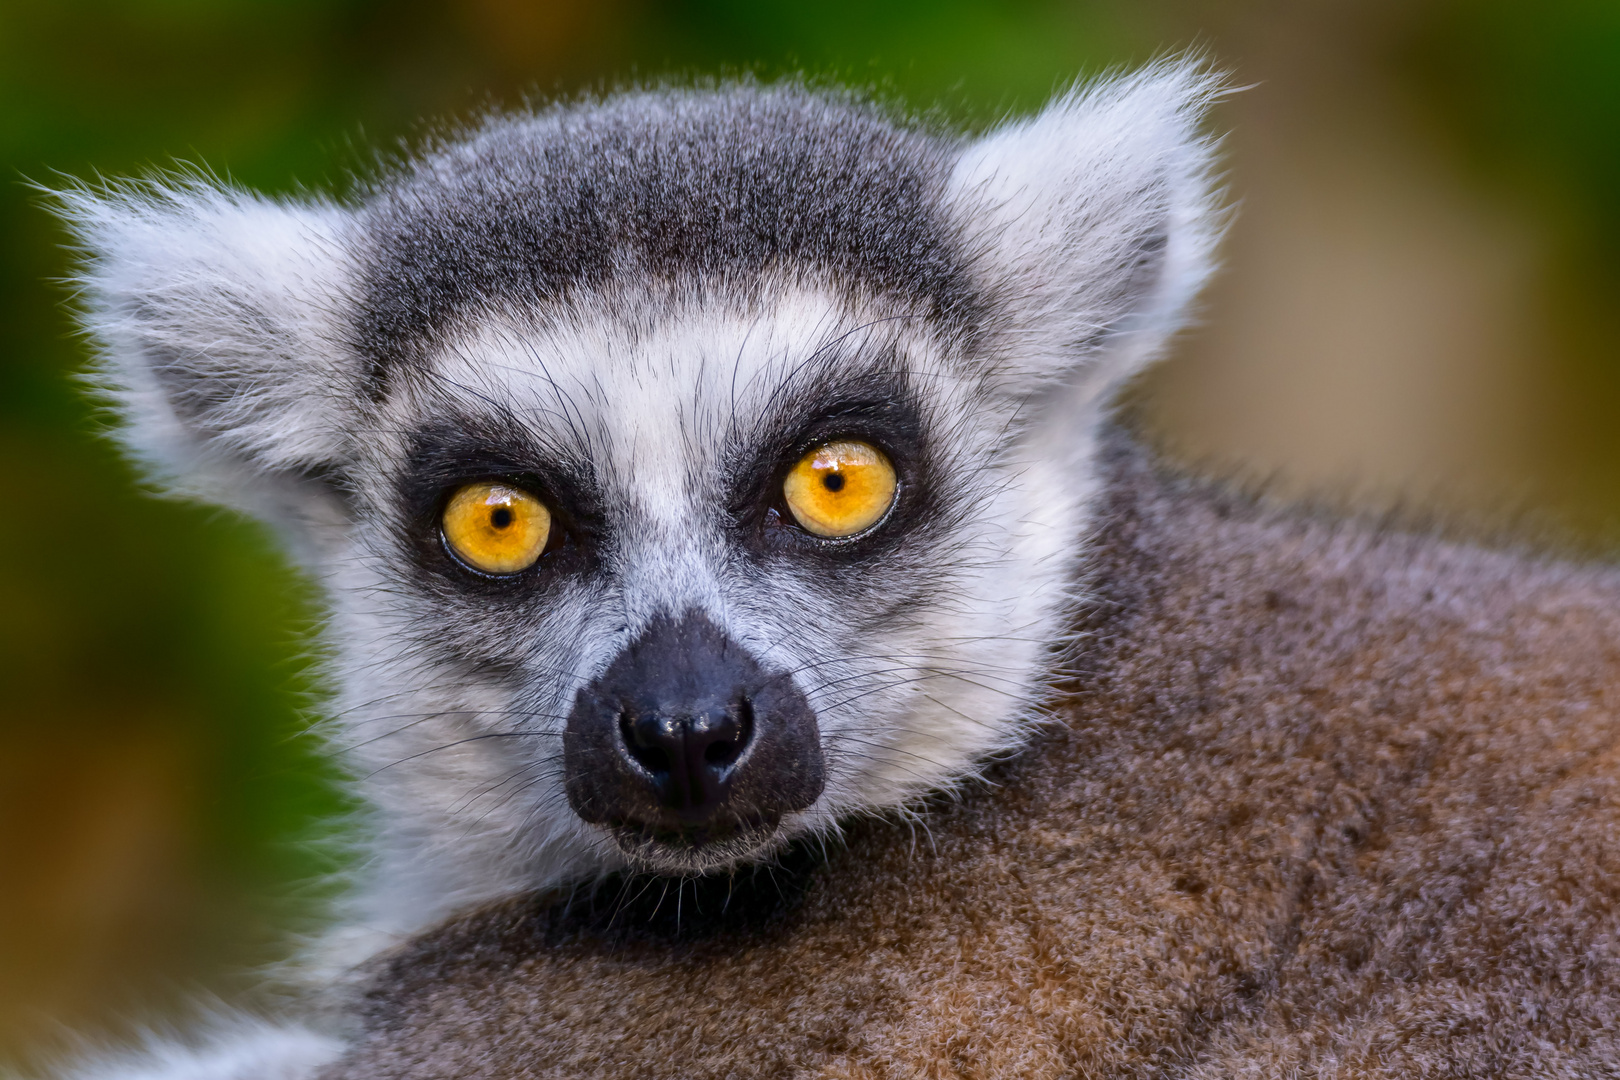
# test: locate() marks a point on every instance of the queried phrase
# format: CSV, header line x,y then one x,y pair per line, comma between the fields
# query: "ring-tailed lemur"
x,y
691,472
686,470
535,409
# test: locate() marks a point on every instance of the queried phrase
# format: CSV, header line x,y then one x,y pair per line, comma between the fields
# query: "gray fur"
x,y
668,185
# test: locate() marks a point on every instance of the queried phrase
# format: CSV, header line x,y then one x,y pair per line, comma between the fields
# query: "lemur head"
x,y
685,470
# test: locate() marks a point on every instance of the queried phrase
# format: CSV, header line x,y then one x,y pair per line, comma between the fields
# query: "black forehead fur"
x,y
668,185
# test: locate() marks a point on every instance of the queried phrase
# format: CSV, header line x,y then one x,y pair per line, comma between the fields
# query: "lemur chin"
x,y
708,480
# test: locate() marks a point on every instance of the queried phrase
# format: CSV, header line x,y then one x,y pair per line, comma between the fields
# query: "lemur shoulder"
x,y
761,656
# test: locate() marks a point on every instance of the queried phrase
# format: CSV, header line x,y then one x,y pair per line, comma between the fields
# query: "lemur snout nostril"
x,y
687,735
650,752
724,751
688,756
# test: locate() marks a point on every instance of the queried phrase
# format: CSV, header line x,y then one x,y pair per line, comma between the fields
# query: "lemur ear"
x,y
217,317
1093,224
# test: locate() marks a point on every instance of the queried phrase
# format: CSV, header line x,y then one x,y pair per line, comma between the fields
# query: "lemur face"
x,y
713,568
686,470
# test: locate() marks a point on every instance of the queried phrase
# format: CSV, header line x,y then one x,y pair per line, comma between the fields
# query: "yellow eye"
x,y
841,488
496,528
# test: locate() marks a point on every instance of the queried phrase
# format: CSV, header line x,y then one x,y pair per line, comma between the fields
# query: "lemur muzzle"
x,y
688,739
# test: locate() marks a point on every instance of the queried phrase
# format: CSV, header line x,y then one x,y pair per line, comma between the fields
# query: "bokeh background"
x,y
1420,306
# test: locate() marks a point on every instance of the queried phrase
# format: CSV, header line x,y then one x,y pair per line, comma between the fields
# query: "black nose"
x,y
686,737
690,757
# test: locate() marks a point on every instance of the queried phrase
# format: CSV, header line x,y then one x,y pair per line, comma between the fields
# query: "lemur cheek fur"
x,y
686,743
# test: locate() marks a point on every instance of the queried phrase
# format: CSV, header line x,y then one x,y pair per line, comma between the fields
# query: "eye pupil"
x,y
833,481
501,517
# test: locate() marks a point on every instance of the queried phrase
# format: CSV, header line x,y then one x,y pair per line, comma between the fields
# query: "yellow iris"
x,y
841,488
495,527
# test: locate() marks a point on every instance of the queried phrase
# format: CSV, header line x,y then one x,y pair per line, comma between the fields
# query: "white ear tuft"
x,y
219,320
1093,224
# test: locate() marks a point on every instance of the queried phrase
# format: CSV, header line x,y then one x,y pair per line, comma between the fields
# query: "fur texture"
x,y
1320,801
238,1049
1311,800
641,307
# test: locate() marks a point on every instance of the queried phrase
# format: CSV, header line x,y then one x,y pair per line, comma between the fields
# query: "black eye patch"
x,y
878,409
448,453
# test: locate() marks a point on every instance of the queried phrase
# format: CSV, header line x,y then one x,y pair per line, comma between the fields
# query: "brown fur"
x,y
1325,801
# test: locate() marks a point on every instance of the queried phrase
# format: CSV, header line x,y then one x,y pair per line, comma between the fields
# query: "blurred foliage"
x,y
134,630
1533,92
1531,95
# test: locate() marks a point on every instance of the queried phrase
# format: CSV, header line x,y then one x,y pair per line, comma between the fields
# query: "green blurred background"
x,y
1420,303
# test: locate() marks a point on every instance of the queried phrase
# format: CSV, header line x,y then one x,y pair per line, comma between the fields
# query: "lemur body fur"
x,y
1237,764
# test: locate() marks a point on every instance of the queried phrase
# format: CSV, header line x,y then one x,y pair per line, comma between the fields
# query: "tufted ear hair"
x,y
218,316
1093,224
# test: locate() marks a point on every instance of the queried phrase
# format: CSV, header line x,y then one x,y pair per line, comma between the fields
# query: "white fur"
x,y
217,315
1090,227
1055,203
241,1049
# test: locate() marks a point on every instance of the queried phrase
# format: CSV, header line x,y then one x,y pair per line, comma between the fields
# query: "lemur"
x,y
762,655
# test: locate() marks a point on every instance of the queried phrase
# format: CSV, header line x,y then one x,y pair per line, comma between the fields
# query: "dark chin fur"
x,y
656,852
